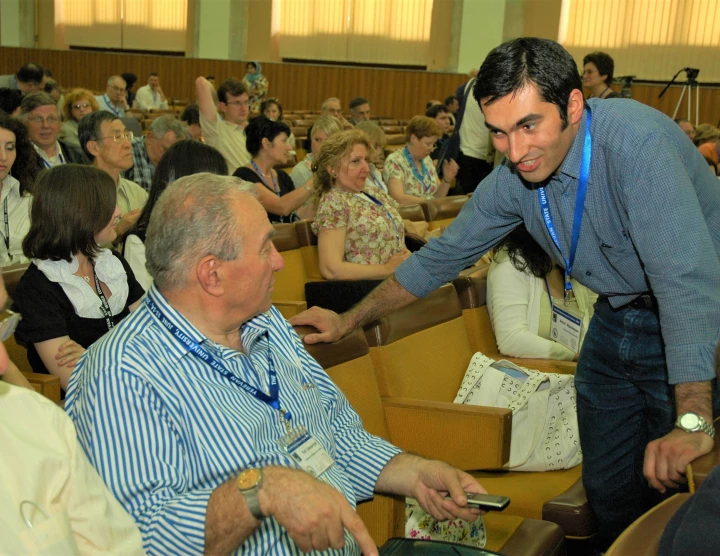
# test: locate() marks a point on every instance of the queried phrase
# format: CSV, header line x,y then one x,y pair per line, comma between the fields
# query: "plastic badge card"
x,y
306,451
566,326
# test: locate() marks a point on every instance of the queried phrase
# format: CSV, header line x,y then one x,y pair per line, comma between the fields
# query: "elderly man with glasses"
x,y
114,100
106,142
40,114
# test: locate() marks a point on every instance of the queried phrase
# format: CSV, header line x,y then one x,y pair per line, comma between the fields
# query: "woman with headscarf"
x,y
256,84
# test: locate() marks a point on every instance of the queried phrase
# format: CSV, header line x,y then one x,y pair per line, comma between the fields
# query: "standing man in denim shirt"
x,y
646,233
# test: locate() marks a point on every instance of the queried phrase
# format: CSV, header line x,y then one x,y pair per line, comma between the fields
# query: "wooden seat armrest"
x,y
466,436
543,365
290,308
47,385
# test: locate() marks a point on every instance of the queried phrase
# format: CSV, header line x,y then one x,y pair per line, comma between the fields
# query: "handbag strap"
x,y
474,373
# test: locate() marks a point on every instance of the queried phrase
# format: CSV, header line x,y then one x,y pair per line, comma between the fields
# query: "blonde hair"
x,y
327,124
75,95
374,132
706,133
331,155
422,126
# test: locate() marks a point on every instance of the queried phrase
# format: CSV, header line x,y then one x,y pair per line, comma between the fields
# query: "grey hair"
x,y
193,218
324,104
35,100
163,124
327,124
113,78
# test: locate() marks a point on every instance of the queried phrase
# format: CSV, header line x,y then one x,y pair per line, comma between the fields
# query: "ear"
x,y
413,139
210,276
576,105
266,143
93,148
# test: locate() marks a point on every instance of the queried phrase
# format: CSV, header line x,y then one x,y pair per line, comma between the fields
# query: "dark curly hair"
x,y
262,127
525,254
25,167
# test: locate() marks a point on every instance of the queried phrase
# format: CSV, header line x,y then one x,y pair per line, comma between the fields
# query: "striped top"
x,y
163,428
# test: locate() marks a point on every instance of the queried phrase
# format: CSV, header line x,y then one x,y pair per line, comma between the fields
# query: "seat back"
x,y
348,364
289,282
422,350
309,249
131,124
11,276
441,212
415,213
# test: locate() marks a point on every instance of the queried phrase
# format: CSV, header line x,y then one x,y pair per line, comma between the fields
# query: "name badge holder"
x,y
579,205
566,323
307,452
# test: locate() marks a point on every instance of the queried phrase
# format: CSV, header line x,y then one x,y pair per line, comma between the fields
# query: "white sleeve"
x,y
508,296
135,256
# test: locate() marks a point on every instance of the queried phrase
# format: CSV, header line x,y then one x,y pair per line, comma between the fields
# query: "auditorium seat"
x,y
472,291
300,132
289,287
440,213
348,363
421,352
392,129
642,538
309,249
303,123
131,124
699,469
11,276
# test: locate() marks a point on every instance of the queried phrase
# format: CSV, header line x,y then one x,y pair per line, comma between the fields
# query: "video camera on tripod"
x,y
691,81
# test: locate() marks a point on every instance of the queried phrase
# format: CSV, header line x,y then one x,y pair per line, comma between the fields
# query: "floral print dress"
x,y
399,166
374,232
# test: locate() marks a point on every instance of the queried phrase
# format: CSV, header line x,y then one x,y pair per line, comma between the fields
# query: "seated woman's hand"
x,y
450,169
69,353
397,259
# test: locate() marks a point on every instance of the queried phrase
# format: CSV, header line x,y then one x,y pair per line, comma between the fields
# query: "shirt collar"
x,y
44,155
252,331
571,165
10,185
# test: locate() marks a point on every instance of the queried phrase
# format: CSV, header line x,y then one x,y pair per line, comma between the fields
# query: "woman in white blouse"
x,y
521,281
74,291
17,168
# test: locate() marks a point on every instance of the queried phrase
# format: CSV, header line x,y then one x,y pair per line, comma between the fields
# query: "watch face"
x,y
248,479
689,421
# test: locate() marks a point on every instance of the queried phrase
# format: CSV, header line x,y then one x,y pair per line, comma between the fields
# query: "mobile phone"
x,y
488,502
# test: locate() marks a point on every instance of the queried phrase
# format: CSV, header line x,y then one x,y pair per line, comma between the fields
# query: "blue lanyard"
x,y
48,165
376,181
414,169
579,204
272,400
390,216
262,178
114,110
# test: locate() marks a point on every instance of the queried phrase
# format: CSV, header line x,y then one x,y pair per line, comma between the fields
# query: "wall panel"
x,y
396,93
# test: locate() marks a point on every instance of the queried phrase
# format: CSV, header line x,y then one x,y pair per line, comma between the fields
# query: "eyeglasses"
x,y
81,106
430,146
8,324
119,137
118,89
238,103
39,120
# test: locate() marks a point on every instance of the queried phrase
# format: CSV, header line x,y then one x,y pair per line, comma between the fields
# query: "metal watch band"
x,y
702,426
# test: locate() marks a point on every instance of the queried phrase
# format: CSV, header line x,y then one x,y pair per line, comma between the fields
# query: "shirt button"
x,y
588,273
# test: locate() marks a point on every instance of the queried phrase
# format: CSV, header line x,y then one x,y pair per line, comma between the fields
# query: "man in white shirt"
x,y
151,96
114,99
226,134
40,114
106,142
51,499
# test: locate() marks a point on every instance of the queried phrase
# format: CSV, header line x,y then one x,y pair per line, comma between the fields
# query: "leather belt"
x,y
645,302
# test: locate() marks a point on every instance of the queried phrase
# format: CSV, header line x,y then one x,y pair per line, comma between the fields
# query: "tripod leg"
x,y
677,108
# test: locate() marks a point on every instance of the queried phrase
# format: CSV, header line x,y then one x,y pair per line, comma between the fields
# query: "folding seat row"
x,y
351,367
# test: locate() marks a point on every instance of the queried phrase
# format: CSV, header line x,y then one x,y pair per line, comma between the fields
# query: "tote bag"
x,y
544,411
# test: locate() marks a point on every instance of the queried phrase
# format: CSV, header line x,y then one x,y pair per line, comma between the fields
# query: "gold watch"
x,y
248,483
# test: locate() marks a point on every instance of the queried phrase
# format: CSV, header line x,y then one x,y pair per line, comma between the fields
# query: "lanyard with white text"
x,y
273,400
579,204
7,227
114,110
104,305
425,173
390,216
262,178
47,163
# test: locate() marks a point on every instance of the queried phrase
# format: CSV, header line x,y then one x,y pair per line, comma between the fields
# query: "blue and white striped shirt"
x,y
164,429
651,222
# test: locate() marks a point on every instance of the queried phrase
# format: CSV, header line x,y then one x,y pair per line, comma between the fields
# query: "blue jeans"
x,y
624,402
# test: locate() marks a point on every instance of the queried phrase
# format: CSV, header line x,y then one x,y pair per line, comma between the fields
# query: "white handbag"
x,y
544,411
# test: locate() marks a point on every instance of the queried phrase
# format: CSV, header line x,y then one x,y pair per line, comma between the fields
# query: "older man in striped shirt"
x,y
207,418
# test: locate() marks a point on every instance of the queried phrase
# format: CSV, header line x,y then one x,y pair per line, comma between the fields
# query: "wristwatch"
x,y
692,422
248,483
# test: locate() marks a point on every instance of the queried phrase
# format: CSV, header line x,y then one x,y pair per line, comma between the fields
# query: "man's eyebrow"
x,y
530,118
269,236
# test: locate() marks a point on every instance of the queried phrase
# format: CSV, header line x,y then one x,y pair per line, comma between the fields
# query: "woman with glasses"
x,y
267,143
74,291
360,231
410,173
181,159
78,103
17,170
